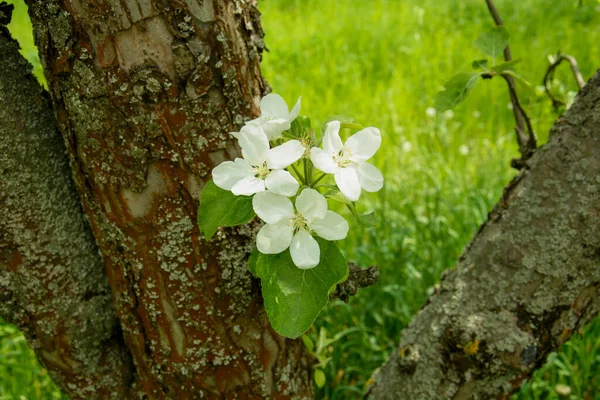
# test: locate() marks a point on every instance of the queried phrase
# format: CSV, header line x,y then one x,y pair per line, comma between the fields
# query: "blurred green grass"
x,y
382,62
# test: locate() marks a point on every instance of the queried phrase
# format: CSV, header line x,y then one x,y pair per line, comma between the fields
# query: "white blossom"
x,y
275,116
260,168
288,227
347,162
431,112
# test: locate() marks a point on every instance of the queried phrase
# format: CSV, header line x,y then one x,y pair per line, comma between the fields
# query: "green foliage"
x,y
21,377
343,119
368,219
577,366
443,173
319,378
456,90
500,68
295,297
299,126
21,29
252,261
526,86
220,207
480,64
494,41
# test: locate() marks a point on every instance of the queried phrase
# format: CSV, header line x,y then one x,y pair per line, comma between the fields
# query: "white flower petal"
x,y
272,208
347,180
274,128
305,250
311,204
274,238
296,110
274,106
364,144
283,156
254,143
332,143
370,178
323,160
332,227
282,182
228,173
248,186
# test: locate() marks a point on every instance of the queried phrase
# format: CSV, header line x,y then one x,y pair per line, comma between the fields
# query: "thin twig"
x,y
527,141
357,279
550,73
522,122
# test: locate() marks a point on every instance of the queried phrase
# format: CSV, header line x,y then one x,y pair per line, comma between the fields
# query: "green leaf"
x,y
500,68
529,90
252,261
456,90
335,194
368,219
343,119
220,207
480,64
300,126
493,42
294,297
319,378
308,343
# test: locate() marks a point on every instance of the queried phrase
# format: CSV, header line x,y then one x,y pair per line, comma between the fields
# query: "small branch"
x,y
498,21
522,122
527,141
359,278
550,73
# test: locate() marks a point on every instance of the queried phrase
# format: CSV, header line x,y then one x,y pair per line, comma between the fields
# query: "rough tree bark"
x,y
52,283
145,92
527,281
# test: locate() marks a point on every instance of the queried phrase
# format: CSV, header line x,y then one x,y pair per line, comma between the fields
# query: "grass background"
x,y
382,62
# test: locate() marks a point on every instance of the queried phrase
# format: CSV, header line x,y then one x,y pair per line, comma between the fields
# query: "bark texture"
x,y
52,283
145,93
527,281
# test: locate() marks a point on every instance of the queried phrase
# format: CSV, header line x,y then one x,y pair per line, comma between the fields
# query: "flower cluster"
x,y
288,201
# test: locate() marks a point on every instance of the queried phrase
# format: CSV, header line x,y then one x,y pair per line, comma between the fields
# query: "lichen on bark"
x,y
527,281
52,284
146,93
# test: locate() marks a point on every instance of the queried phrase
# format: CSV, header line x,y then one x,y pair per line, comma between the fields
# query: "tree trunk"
x,y
145,93
527,281
52,283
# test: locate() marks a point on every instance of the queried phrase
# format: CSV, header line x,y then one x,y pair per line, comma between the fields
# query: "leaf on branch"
x,y
342,118
252,260
220,207
493,42
500,68
368,219
294,297
456,90
336,195
319,378
528,89
299,126
480,64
